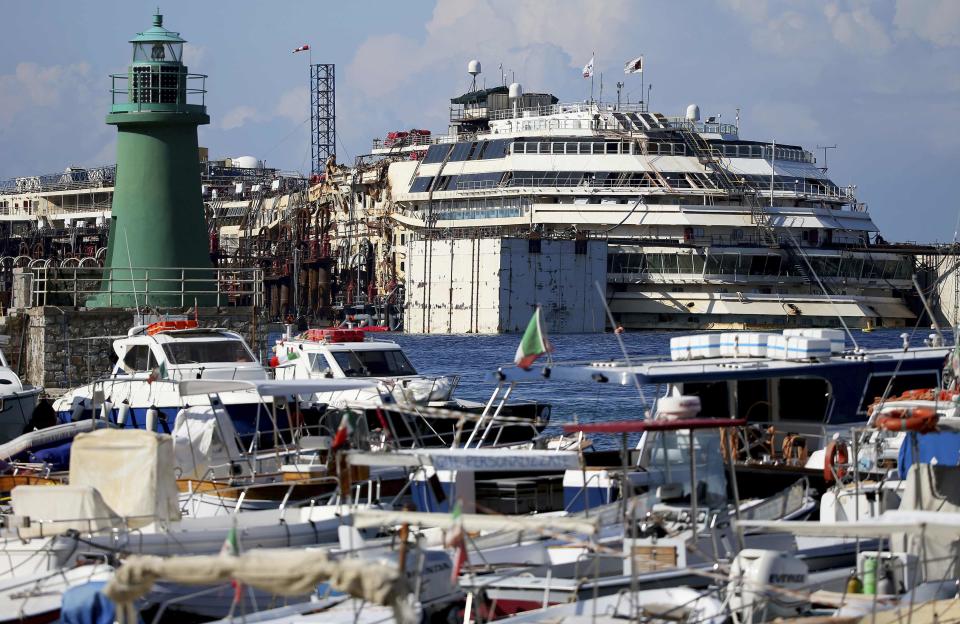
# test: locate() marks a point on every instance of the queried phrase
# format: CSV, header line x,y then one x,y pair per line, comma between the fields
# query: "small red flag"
x,y
302,48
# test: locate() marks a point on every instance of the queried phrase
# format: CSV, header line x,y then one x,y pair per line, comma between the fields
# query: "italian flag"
x,y
285,357
347,426
457,539
533,344
231,548
158,372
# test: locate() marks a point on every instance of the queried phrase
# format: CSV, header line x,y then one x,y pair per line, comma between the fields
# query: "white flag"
x,y
588,69
634,67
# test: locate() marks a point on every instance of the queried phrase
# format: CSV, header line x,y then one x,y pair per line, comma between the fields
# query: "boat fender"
x,y
123,412
836,456
730,444
78,409
918,419
106,410
152,415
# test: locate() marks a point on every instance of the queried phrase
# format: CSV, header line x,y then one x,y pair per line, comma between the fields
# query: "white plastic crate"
x,y
744,344
695,347
797,348
837,337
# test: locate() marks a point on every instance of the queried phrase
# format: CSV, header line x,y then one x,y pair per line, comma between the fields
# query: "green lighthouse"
x,y
158,252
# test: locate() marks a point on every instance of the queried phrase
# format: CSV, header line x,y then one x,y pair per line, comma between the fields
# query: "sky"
x,y
880,79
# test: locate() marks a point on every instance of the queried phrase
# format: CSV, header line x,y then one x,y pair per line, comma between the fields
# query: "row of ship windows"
x,y
748,265
499,148
606,179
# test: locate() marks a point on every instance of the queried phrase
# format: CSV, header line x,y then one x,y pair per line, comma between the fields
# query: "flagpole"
x,y
593,60
645,107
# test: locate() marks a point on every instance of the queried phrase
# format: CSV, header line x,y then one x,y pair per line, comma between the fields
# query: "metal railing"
x,y
145,95
157,286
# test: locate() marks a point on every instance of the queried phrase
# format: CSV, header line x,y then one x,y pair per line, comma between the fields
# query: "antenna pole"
x,y
825,148
773,159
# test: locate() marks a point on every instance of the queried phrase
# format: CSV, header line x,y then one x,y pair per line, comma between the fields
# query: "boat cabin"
x,y
184,352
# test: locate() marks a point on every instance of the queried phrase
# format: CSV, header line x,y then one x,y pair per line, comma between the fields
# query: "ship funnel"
x,y
473,67
693,113
516,90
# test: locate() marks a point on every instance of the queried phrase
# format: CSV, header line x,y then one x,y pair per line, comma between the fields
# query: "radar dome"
x,y
473,67
516,90
245,162
693,113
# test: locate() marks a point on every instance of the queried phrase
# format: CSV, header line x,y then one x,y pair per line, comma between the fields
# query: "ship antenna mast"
x,y
825,148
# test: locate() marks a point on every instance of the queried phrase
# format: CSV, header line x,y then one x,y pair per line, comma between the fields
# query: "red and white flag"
x,y
302,48
588,68
634,66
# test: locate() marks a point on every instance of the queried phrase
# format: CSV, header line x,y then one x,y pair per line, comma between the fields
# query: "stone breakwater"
x,y
62,348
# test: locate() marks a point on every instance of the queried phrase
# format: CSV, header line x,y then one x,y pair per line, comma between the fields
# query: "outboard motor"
x,y
756,578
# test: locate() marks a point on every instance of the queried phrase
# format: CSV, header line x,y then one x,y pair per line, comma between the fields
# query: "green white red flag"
x,y
456,538
347,426
533,344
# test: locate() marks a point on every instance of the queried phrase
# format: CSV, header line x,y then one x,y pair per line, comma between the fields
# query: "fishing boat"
x,y
142,390
403,401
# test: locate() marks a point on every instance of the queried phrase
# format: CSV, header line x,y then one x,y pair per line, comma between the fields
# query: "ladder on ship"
x,y
711,159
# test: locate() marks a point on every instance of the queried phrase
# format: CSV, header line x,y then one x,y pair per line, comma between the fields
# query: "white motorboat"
x,y
17,401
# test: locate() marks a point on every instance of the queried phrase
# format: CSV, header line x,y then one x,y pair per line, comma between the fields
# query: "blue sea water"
x,y
475,357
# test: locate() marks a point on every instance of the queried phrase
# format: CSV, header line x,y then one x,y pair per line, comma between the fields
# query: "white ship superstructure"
x,y
696,226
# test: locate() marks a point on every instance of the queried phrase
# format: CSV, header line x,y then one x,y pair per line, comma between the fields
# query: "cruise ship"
x,y
599,213
684,223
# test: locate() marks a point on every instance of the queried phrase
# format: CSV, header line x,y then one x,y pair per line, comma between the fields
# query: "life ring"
x,y
836,455
918,419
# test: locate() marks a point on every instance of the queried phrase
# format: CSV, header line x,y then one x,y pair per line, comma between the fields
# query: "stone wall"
x,y
64,348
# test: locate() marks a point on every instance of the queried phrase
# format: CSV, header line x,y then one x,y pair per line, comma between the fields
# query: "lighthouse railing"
x,y
148,286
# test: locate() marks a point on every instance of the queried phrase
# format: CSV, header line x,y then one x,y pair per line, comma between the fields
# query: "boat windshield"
x,y
369,363
190,352
670,453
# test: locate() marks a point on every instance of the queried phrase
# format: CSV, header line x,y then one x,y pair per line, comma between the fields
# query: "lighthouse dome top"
x,y
157,44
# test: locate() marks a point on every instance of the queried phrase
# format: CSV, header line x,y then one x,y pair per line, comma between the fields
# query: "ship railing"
x,y
565,108
147,286
414,141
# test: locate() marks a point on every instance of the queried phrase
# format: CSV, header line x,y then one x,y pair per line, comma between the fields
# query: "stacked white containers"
x,y
744,344
836,337
797,348
696,347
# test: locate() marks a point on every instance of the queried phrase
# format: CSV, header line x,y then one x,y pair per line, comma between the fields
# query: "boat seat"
x,y
47,510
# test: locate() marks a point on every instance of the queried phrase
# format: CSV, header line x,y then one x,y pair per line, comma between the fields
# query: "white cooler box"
x,y
837,338
797,348
744,344
696,347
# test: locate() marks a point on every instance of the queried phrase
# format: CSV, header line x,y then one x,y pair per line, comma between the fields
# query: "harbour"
x,y
527,356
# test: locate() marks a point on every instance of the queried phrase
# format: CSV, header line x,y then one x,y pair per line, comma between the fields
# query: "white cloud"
x,y
294,105
32,86
857,28
193,55
238,116
936,21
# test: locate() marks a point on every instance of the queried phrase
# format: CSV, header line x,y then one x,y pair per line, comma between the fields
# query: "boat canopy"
x,y
639,426
283,572
368,518
272,387
471,459
931,524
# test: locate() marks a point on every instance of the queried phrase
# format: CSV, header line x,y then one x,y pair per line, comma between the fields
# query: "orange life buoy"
x,y
836,456
919,419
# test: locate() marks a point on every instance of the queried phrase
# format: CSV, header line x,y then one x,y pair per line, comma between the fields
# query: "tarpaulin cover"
x,y
87,604
944,446
132,469
57,458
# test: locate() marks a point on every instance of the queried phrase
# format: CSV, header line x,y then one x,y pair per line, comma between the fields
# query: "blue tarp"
x,y
944,446
57,457
87,604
